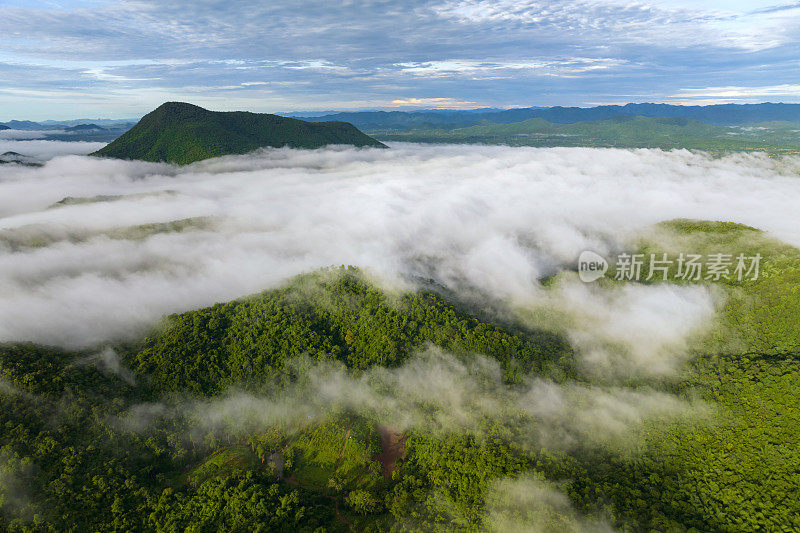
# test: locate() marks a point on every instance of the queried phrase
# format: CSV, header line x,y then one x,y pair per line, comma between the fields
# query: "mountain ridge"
x,y
717,115
84,127
666,133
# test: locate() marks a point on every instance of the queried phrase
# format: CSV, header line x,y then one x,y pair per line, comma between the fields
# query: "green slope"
x,y
328,316
83,469
184,133
740,472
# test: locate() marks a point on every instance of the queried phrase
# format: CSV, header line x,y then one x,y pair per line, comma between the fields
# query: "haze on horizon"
x,y
96,58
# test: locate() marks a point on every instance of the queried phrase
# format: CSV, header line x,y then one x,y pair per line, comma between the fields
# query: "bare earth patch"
x,y
393,447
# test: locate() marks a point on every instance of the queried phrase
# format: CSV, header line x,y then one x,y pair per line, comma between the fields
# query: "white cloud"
x,y
712,95
634,330
659,23
42,150
530,504
68,60
492,218
437,103
544,67
436,392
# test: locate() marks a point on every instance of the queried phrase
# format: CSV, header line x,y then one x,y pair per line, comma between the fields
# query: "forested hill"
x,y
332,405
184,133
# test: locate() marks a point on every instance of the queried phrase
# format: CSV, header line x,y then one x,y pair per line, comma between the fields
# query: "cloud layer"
x,y
138,240
25,143
495,219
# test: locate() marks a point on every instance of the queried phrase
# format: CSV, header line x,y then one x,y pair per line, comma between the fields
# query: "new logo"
x,y
591,266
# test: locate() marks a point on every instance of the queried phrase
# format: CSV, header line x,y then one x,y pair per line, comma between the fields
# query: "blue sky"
x,y
96,58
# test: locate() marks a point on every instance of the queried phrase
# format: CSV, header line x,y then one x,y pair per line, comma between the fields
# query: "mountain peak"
x,y
182,133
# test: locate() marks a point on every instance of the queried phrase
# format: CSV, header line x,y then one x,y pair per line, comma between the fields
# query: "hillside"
x,y
292,389
184,133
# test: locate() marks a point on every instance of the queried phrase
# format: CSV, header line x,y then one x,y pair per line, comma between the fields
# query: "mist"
x,y
494,220
21,135
434,392
531,504
27,143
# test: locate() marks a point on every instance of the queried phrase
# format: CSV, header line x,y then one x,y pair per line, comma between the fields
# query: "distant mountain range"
x,y
719,115
71,131
184,133
618,132
482,110
45,125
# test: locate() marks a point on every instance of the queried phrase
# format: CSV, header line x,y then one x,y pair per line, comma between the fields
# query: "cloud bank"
x,y
490,219
27,143
138,240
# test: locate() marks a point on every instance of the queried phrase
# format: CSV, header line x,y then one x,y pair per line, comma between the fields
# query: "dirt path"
x,y
341,452
393,447
366,443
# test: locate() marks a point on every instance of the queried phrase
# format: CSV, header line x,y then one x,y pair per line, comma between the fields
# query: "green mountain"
x,y
184,133
225,421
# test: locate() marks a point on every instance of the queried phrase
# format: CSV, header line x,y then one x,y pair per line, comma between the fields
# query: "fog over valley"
x,y
112,259
465,321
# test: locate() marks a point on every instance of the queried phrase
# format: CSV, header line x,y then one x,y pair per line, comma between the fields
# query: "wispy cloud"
x,y
640,22
739,94
504,53
544,67
493,219
776,8
444,103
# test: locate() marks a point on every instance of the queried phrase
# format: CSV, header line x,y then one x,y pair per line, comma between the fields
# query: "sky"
x,y
62,59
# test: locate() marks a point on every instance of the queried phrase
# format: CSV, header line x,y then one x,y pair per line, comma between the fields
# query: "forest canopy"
x,y
332,404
